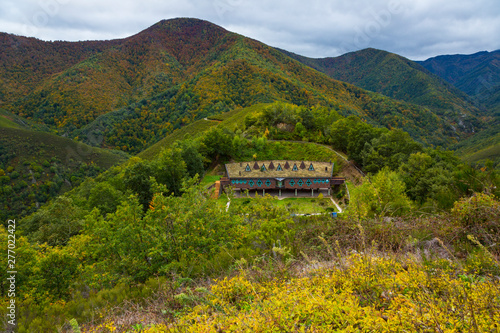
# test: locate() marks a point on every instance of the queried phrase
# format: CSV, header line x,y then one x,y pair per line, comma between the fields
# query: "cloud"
x,y
416,29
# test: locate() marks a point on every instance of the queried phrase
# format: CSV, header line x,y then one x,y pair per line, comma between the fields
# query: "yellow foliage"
x,y
367,294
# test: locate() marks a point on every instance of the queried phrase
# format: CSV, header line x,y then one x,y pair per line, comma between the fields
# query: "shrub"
x,y
479,215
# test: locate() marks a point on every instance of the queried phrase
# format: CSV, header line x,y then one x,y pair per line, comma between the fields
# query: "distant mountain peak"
x,y
182,25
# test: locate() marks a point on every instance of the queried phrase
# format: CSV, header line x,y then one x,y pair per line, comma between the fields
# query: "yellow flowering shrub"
x,y
365,294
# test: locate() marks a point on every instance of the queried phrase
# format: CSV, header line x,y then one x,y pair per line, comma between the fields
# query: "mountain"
x,y
399,78
130,93
478,75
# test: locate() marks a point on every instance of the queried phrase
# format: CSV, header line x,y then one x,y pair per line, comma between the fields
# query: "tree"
x,y
425,179
122,240
192,157
383,195
105,197
390,149
54,273
300,130
55,224
170,170
137,179
479,215
217,144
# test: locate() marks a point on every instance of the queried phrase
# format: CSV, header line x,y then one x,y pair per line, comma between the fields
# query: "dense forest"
x,y
145,231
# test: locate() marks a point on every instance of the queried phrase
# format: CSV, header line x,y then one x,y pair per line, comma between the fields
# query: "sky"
x,y
416,29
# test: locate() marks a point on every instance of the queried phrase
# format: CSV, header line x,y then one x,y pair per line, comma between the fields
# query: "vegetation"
x,y
481,147
363,293
401,79
144,234
37,166
106,242
475,74
294,206
129,94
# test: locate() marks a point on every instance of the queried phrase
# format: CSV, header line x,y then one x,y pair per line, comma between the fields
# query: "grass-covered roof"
x,y
279,169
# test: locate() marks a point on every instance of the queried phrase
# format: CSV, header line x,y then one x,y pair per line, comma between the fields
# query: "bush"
x,y
479,215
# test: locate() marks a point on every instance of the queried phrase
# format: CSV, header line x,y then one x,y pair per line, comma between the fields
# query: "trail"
x,y
336,205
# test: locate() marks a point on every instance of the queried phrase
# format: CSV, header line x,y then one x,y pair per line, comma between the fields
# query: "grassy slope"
x,y
484,145
276,150
7,123
231,120
189,131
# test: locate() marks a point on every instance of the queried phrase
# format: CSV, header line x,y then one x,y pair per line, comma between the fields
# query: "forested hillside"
x,y
478,75
462,90
134,91
37,166
399,78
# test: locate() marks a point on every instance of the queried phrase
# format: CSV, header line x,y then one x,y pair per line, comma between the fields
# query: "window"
x,y
248,168
300,182
251,183
295,168
291,182
279,168
259,183
268,183
308,182
311,167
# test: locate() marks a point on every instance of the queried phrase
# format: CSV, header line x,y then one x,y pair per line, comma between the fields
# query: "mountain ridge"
x,y
180,70
394,76
478,75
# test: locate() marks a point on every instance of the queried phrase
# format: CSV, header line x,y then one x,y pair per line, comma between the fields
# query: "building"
x,y
281,175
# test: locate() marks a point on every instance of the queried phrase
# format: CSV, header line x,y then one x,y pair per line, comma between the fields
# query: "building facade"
x,y
281,175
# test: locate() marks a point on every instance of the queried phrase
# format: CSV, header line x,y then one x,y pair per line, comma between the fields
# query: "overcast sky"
x,y
416,29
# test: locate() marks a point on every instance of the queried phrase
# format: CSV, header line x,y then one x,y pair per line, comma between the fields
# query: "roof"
x,y
279,169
